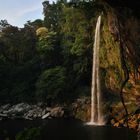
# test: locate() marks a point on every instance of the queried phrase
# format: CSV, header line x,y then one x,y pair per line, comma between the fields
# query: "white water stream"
x,y
96,103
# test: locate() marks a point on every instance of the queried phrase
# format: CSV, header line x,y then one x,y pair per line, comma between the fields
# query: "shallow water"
x,y
66,129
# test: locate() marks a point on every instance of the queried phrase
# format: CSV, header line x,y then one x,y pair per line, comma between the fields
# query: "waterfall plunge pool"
x,y
64,129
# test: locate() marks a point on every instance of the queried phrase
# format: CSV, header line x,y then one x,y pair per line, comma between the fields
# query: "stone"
x,y
43,112
46,115
3,115
5,107
57,112
48,109
112,121
117,124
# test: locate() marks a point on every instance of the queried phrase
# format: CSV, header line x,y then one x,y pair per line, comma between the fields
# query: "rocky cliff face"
x,y
124,3
120,65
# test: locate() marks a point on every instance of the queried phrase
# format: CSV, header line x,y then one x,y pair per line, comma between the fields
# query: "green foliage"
x,y
35,24
128,85
51,84
19,64
49,59
52,13
52,58
48,47
46,41
132,107
29,134
76,31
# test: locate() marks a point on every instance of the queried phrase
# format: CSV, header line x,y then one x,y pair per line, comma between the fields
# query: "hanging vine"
x,y
124,67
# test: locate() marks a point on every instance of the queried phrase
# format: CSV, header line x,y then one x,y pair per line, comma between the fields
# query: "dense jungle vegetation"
x,y
50,60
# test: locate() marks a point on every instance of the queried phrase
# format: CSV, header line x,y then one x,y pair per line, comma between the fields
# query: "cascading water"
x,y
96,106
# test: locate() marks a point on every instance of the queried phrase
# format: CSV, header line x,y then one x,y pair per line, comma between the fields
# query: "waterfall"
x,y
96,104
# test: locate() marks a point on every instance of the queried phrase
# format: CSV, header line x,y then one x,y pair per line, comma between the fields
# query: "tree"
x,y
19,64
51,84
34,24
48,47
52,13
77,42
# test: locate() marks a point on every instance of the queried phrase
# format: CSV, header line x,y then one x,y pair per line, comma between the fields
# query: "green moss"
x,y
132,107
110,57
128,85
82,112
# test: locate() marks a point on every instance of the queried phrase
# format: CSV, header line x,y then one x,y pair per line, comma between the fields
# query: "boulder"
x,y
21,107
57,112
46,115
3,115
5,107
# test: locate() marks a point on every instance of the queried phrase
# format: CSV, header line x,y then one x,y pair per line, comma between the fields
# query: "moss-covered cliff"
x,y
119,60
120,64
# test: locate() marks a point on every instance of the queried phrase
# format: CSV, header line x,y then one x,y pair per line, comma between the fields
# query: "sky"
x,y
18,12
